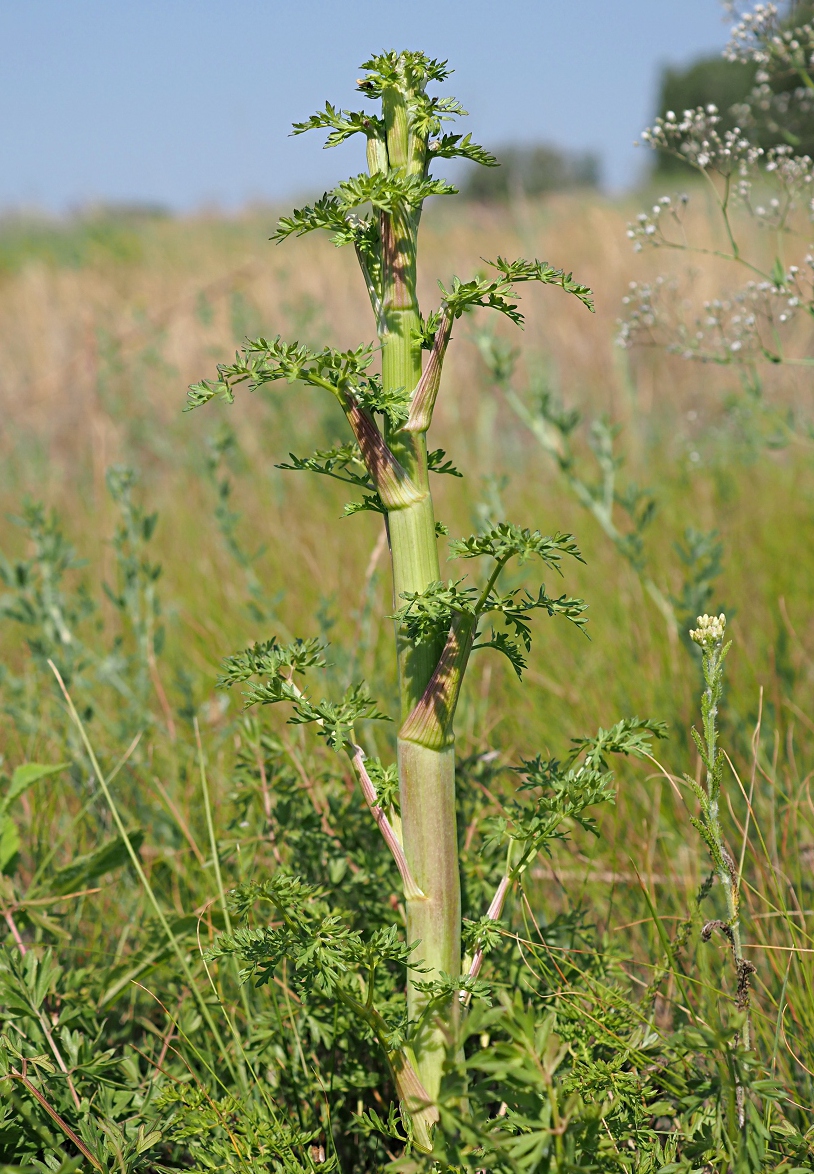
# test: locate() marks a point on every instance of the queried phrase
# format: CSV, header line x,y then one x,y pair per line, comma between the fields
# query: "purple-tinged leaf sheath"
x,y
426,393
392,482
414,1097
398,264
429,723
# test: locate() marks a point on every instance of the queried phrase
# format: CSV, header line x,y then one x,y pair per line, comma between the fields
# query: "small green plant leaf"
x,y
25,776
336,720
450,146
343,462
83,870
9,841
437,464
342,124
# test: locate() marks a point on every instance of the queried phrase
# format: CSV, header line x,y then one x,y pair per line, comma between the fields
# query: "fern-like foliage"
x,y
507,540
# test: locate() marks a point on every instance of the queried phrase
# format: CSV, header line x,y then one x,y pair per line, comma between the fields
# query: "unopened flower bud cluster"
x,y
767,106
710,630
695,138
731,329
645,321
648,227
747,40
757,37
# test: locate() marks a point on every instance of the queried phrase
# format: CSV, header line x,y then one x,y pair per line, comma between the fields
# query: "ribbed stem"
x,y
427,782
427,792
426,776
414,552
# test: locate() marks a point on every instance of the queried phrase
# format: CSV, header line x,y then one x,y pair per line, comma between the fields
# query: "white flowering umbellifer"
x,y
749,36
695,138
758,185
710,630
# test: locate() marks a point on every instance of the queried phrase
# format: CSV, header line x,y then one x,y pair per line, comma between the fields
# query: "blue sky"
x,y
188,103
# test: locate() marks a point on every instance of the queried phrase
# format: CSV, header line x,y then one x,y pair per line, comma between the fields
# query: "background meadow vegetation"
x,y
136,583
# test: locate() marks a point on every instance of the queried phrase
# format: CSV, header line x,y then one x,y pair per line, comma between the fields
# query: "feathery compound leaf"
x,y
413,69
484,293
295,899
505,541
386,781
339,462
342,124
370,503
393,403
277,664
330,214
502,642
631,735
562,794
462,147
522,270
261,361
201,393
565,791
427,614
442,987
272,660
390,192
437,464
428,113
265,361
515,613
325,213
498,293
336,720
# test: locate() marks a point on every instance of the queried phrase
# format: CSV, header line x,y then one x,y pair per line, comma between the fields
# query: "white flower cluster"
x,y
787,52
710,630
797,102
644,318
648,228
748,38
792,177
729,330
695,138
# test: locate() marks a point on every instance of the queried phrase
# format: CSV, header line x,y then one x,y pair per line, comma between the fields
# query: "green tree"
x,y
706,81
532,170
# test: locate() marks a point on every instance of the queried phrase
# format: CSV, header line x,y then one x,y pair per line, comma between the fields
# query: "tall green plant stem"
x,y
426,774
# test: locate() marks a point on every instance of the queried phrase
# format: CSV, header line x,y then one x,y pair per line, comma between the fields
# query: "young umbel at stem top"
x,y
437,625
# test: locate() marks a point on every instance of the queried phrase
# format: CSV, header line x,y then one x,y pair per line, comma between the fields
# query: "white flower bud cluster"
x,y
641,327
695,138
747,38
789,51
727,330
710,630
775,107
740,326
648,229
794,176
